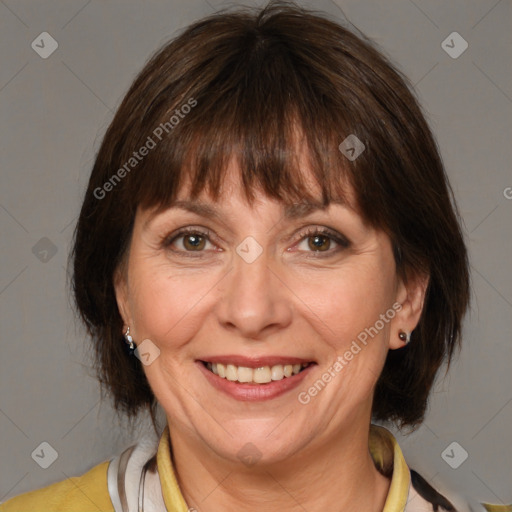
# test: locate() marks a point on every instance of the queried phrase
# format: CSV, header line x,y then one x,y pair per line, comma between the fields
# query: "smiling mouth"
x,y
261,375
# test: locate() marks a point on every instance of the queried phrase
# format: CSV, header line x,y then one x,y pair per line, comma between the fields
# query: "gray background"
x,y
54,112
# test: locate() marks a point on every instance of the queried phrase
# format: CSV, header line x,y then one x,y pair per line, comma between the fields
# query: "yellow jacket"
x,y
90,492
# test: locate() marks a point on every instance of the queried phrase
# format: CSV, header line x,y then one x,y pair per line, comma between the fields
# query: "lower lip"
x,y
254,392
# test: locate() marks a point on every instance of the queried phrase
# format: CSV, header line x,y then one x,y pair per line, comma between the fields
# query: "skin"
x,y
290,302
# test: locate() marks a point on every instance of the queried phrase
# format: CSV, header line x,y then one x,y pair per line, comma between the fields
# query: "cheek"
x,y
166,307
345,302
344,310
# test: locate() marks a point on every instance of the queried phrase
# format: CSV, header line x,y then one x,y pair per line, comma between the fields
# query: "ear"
x,y
120,283
411,292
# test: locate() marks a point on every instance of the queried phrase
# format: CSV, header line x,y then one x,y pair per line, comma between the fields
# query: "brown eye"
x,y
319,243
193,242
188,241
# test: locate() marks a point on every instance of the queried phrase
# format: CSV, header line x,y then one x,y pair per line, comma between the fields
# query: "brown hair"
x,y
240,83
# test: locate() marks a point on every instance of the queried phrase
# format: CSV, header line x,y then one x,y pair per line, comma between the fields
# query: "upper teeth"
x,y
261,375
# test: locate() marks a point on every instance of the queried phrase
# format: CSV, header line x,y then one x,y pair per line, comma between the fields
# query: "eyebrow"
x,y
291,211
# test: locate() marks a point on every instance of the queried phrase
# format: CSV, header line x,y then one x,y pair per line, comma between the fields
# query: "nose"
x,y
255,302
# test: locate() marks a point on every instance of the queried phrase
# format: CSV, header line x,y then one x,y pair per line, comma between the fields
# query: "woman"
x,y
269,249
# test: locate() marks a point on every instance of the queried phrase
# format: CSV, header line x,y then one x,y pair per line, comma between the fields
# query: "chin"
x,y
253,442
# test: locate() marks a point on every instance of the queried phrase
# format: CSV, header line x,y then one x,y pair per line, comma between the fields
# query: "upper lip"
x,y
255,362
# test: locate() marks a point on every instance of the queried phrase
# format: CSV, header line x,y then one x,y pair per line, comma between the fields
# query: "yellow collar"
x,y
171,492
383,447
388,457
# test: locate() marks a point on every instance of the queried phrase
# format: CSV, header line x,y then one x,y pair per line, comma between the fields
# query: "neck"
x,y
335,475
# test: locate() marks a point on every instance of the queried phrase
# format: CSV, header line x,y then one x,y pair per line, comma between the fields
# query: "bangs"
x,y
257,108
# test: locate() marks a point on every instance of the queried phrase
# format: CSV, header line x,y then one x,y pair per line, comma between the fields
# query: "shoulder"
x,y
77,494
409,491
424,498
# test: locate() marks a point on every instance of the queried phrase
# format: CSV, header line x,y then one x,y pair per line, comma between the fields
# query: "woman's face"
x,y
261,294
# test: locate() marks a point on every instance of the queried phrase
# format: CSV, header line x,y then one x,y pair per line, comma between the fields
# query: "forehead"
x,y
233,192
210,209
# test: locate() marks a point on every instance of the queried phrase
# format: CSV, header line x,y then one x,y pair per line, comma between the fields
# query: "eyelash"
x,y
342,242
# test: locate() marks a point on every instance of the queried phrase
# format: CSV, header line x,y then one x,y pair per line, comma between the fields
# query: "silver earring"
x,y
405,336
129,339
